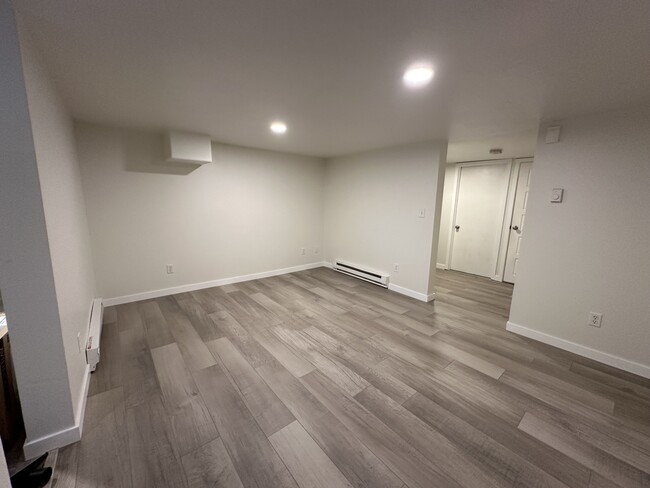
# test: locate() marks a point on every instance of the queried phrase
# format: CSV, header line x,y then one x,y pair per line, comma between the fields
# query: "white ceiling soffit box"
x,y
181,147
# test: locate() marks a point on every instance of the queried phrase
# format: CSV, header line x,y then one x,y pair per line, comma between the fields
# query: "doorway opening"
x,y
483,221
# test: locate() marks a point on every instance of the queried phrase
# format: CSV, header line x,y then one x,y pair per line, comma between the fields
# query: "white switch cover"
x,y
422,213
556,195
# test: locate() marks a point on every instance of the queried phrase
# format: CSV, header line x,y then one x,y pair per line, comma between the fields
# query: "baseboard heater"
x,y
94,333
374,277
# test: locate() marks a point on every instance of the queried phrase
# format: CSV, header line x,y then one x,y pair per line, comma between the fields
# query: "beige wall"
x,y
27,277
65,214
372,201
249,211
590,253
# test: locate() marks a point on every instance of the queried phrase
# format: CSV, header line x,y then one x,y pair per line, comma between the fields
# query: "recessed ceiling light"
x,y
418,75
278,127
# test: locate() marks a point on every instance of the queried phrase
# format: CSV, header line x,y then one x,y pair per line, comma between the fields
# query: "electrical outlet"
x,y
595,319
396,267
303,251
170,268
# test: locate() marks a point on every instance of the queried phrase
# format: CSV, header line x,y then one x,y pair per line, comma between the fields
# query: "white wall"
x,y
26,275
249,211
590,253
372,201
65,214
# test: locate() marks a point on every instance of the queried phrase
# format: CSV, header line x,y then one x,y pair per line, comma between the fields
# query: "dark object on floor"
x,y
34,475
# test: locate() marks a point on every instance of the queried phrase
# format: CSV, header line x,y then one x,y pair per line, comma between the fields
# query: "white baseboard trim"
x,y
36,447
108,302
411,293
81,402
441,266
588,352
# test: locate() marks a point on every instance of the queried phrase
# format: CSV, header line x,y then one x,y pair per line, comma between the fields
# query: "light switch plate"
x,y
557,195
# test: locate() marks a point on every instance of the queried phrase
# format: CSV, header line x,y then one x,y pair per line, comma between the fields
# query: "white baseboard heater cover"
x,y
94,333
365,274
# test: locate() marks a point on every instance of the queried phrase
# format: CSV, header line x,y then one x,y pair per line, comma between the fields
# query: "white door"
x,y
478,220
517,224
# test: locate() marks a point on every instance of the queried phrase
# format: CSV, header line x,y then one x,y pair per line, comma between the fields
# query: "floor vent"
x,y
94,333
362,273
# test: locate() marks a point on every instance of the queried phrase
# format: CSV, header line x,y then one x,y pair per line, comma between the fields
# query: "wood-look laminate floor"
x,y
315,379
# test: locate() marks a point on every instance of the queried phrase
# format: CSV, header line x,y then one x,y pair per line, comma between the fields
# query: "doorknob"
x,y
515,227
457,227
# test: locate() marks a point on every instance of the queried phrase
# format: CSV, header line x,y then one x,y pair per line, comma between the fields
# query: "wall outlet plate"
x,y
595,319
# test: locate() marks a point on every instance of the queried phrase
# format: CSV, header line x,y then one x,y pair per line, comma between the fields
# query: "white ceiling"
x,y
332,68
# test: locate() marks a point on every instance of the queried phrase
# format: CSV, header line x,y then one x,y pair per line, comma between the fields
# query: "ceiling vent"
x,y
181,147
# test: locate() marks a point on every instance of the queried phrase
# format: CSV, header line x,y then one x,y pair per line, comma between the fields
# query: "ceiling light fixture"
x,y
418,75
278,127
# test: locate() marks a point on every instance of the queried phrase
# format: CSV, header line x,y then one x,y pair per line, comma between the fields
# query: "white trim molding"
x,y
441,266
411,293
36,447
147,295
588,352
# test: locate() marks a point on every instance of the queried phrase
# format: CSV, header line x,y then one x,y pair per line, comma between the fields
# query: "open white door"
x,y
479,215
518,220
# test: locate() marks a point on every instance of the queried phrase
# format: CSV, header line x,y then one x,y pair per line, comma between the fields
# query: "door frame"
x,y
507,211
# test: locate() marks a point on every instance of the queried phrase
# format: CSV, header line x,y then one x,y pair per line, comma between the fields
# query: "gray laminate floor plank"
x,y
155,324
210,466
104,437
155,462
309,465
191,423
447,456
271,414
254,458
195,353
358,463
599,461
401,457
317,379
